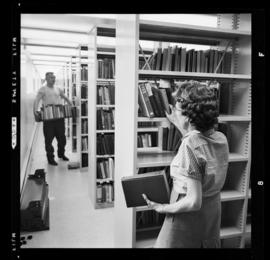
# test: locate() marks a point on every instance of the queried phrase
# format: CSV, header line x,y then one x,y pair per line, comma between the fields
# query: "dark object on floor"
x,y
52,162
35,203
22,238
64,158
73,165
29,237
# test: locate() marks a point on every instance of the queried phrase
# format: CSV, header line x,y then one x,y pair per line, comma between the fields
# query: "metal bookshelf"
x,y
233,28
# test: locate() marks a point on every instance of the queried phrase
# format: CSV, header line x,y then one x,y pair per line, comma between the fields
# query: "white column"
x,y
126,99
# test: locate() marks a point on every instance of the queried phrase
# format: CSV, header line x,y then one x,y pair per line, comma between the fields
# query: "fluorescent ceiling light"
x,y
49,58
49,42
191,19
57,22
56,36
51,63
52,50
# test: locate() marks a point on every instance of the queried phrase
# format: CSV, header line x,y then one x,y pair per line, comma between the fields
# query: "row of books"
x,y
147,140
105,94
84,108
155,100
105,144
105,119
84,126
105,192
180,59
84,73
106,68
55,112
105,168
84,91
148,218
84,143
84,159
171,138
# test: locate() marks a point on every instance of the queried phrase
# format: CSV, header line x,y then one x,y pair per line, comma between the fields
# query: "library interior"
x,y
120,72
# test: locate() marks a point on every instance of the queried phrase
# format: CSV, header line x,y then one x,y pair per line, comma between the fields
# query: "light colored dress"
x,y
203,157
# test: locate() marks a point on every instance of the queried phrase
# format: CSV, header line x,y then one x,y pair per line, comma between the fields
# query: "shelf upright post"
x,y
78,92
92,94
126,109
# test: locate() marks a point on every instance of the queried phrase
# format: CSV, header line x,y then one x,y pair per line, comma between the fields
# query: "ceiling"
x,y
52,39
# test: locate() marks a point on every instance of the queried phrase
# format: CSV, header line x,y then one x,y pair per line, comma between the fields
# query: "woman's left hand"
x,y
158,207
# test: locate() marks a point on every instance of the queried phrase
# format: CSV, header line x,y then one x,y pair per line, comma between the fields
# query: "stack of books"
x,y
50,112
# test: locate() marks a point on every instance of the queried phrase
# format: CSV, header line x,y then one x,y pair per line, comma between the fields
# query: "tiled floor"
x,y
74,223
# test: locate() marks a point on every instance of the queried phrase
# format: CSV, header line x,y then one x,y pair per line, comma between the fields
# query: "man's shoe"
x,y
64,158
52,162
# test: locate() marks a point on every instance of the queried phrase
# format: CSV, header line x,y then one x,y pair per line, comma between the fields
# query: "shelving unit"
x,y
102,129
235,112
82,94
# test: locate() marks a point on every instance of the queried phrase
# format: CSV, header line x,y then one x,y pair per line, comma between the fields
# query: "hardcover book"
x,y
153,184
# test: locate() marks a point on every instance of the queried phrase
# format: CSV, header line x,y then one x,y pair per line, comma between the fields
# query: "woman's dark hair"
x,y
199,103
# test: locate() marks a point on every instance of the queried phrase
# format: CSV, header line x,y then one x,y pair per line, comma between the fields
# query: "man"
x,y
52,128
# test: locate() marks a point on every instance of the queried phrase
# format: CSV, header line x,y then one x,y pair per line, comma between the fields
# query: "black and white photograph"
x,y
135,131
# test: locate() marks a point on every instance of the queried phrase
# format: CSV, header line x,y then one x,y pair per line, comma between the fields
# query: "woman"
x,y
198,172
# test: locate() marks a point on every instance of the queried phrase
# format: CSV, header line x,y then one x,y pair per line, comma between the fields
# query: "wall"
x,y
30,83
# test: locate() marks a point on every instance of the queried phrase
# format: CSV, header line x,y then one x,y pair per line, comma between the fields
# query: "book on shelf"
x,y
149,218
105,144
84,126
105,168
147,140
106,68
84,157
84,108
84,73
165,101
83,91
104,192
158,101
153,103
171,138
84,143
144,101
105,94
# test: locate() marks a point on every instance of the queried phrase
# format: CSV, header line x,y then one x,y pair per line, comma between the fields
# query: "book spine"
x,y
165,100
146,101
